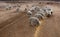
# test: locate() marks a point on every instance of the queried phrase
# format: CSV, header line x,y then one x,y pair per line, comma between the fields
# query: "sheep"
x,y
32,10
37,8
48,11
29,13
39,16
8,7
34,21
42,12
17,10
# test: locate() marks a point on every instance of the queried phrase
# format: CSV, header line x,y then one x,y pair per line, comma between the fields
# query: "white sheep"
x,y
32,10
29,13
42,12
34,21
48,10
8,7
39,16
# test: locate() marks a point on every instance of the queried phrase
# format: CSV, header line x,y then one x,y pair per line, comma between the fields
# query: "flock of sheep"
x,y
10,7
35,14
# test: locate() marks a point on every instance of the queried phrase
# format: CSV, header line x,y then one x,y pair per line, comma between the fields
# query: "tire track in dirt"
x,y
7,22
21,24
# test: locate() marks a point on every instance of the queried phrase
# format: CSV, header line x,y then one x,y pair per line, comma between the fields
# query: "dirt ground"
x,y
18,25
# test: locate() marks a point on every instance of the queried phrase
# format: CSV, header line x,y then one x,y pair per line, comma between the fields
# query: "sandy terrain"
x,y
18,25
